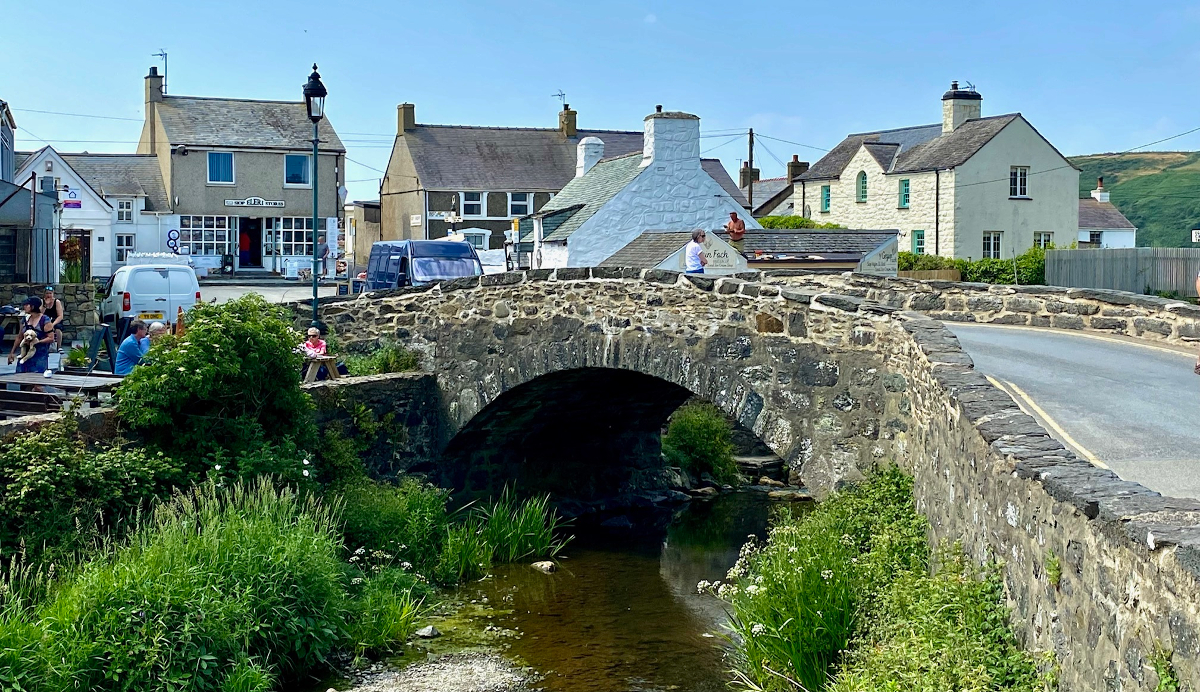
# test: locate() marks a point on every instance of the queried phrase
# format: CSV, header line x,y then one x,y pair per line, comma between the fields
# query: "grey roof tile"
x,y
884,153
588,193
716,171
765,192
649,249
454,158
1098,215
812,241
201,121
123,174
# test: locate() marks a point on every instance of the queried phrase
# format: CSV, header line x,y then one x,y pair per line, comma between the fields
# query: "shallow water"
x,y
622,612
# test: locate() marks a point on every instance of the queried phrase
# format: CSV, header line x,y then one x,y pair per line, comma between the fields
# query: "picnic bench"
x,y
314,367
16,403
22,401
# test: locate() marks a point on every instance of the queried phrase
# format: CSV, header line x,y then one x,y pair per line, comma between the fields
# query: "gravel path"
x,y
452,673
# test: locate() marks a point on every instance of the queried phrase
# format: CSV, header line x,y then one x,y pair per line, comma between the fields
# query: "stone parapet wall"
x,y
78,299
1092,309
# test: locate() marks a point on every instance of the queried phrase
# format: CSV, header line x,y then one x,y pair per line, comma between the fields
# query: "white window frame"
x,y
992,243
232,168
1043,239
483,233
123,249
1018,182
124,211
1096,238
208,235
482,202
307,173
528,203
288,236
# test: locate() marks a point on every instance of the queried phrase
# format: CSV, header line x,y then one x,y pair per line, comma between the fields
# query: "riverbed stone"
x,y
545,567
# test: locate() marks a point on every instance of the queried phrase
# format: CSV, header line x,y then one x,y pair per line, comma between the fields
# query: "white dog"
x,y
28,346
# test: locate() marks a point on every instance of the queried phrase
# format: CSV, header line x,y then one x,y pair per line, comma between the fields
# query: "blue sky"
x,y
1094,77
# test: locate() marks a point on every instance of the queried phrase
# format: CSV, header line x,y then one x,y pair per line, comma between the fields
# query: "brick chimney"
x,y
1100,194
567,120
796,168
747,175
671,137
959,106
406,118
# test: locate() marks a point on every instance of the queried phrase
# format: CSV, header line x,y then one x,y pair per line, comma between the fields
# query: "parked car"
x,y
400,263
149,292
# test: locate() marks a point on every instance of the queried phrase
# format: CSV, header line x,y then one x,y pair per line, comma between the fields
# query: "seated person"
x,y
132,349
314,345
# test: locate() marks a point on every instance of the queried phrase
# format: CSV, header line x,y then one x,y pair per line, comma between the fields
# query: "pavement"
x,y
1121,403
273,293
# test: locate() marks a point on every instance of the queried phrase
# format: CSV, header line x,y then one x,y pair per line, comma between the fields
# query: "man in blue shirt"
x,y
131,350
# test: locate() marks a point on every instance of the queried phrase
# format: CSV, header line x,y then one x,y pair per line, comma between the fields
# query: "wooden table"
x,y
314,366
83,384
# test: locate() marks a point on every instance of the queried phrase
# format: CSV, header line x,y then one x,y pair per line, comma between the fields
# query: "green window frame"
x,y
918,242
862,186
904,196
825,195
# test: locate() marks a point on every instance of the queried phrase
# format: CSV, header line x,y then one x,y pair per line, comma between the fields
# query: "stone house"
x,y
969,187
771,196
486,176
1102,225
613,200
239,173
116,204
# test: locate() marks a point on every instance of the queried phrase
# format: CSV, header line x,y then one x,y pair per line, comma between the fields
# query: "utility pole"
x,y
750,185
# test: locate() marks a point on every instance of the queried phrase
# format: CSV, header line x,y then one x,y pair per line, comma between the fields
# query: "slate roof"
x,y
765,192
912,149
805,242
1097,215
454,157
133,175
582,197
222,122
648,249
716,171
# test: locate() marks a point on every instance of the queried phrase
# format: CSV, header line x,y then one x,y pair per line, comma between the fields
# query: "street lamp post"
x,y
314,100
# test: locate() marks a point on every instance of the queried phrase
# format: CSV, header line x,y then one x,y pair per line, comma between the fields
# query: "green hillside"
x,y
1158,191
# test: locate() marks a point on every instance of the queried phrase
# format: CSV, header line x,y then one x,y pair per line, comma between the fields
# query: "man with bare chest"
x,y
737,230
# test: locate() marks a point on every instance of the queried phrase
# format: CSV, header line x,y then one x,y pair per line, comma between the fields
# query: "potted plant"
x,y
77,361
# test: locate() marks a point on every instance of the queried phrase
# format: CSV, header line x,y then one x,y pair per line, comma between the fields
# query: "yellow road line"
x,y
1030,407
1179,350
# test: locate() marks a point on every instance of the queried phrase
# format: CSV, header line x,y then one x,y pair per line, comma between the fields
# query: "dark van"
x,y
400,263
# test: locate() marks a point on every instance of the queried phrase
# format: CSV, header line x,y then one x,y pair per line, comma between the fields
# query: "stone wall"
x,y
78,299
1092,309
834,384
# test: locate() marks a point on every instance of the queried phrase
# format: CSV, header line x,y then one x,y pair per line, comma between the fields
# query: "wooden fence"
x,y
1138,270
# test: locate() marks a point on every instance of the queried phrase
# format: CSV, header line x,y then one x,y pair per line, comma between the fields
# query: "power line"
x,y
799,144
77,115
777,159
368,167
718,146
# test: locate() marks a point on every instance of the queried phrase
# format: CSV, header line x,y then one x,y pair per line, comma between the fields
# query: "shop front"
x,y
268,243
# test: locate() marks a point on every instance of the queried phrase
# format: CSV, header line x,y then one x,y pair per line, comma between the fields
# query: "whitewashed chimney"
x,y
671,138
589,151
1100,194
959,106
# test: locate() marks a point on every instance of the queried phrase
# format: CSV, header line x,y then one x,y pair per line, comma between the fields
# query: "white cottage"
x,y
969,187
115,203
612,201
1101,224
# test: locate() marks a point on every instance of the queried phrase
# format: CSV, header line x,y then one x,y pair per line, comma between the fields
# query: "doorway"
x,y
250,242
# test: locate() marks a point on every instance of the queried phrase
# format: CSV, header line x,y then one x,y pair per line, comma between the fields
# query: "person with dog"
x,y
34,341
132,349
56,311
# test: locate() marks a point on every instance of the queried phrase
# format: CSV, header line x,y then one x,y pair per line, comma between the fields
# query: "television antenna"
x,y
162,53
561,96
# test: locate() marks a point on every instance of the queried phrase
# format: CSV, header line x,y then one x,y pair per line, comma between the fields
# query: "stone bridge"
x,y
554,377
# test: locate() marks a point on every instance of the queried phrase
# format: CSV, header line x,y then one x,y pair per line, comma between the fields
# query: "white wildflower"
x,y
827,574
753,589
217,467
703,585
406,566
356,581
757,629
306,472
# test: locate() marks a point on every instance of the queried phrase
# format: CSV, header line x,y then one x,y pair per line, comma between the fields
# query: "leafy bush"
x,y
387,358
229,387
1030,267
793,222
699,440
407,521
911,261
943,632
797,600
218,591
54,490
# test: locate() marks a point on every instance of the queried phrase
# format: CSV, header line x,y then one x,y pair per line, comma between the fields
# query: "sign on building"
x,y
253,202
1196,235
882,260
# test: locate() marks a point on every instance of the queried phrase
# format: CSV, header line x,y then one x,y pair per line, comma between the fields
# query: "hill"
x,y
1158,191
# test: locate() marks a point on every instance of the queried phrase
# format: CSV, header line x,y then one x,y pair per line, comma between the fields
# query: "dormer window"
x,y
862,186
125,211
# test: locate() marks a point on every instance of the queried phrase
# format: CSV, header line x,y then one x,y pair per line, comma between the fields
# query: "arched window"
x,y
862,186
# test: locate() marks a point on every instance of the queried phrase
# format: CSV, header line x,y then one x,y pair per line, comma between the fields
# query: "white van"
x,y
149,292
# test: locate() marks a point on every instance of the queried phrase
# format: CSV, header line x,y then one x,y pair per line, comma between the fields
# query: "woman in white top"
x,y
693,253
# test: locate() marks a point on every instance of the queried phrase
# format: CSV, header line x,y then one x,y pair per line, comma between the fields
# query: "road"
x,y
1121,404
273,294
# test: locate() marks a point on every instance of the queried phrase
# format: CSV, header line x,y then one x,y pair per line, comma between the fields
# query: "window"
x,y
477,240
295,169
1018,181
220,167
518,203
918,242
903,204
1043,239
472,204
1096,238
862,186
126,243
825,198
208,235
991,245
288,236
125,210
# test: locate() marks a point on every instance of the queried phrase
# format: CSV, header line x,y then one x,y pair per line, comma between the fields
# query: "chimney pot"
x,y
1100,182
153,70
959,106
1100,194
658,109
796,157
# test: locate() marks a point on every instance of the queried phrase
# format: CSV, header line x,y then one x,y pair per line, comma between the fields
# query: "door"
x,y
250,242
183,291
149,291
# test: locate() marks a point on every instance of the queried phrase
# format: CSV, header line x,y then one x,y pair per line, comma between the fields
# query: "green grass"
x,y
1154,190
387,358
700,440
521,530
386,611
